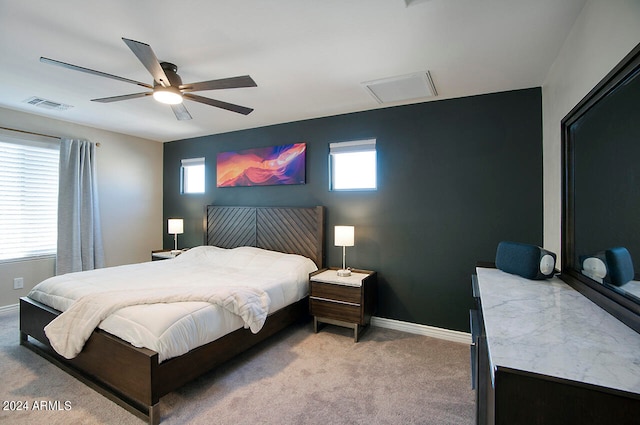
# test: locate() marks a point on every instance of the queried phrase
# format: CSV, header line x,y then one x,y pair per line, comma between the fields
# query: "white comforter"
x,y
172,325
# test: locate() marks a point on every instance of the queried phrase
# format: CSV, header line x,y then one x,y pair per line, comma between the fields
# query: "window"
x,y
29,201
192,175
353,165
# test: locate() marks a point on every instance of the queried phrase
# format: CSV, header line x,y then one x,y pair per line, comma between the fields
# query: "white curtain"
x,y
79,234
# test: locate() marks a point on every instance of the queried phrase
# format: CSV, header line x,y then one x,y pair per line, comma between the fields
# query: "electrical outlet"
x,y
18,283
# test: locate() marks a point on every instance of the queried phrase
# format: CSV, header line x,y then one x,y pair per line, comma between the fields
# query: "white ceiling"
x,y
308,57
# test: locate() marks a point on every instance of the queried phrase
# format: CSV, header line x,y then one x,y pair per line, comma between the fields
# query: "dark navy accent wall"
x,y
455,177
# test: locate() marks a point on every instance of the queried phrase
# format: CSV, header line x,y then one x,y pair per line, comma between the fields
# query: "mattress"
x,y
172,329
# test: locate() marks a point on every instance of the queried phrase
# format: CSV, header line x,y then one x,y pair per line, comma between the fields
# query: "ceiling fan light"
x,y
168,95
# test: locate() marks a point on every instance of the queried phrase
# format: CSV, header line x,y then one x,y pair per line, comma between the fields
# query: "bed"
x,y
137,378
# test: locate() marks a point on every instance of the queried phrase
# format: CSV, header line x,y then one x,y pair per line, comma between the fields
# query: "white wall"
x,y
604,33
130,192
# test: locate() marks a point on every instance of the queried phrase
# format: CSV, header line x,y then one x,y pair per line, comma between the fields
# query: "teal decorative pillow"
x,y
529,261
613,266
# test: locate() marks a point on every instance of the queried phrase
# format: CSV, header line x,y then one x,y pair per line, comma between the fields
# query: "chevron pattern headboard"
x,y
290,230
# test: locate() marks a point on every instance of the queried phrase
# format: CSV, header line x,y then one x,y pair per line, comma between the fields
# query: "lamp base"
x,y
344,272
176,251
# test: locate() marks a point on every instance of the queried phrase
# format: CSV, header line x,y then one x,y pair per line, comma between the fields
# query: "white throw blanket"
x,y
69,331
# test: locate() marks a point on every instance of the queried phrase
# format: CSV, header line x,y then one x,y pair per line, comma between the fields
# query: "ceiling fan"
x,y
167,85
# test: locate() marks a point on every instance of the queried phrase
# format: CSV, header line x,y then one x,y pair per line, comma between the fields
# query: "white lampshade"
x,y
175,226
344,235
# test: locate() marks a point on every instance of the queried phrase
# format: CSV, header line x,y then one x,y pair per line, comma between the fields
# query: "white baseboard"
x,y
414,328
10,307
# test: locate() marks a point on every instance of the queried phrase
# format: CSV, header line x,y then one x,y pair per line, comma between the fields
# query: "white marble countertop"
x,y
547,327
331,276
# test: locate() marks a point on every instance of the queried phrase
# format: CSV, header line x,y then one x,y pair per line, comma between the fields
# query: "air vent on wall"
x,y
47,104
402,88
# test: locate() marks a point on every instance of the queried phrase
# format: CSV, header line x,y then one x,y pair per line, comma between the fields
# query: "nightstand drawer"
x,y
330,291
335,310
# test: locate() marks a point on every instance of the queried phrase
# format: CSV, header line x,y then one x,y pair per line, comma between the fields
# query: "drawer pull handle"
x,y
335,301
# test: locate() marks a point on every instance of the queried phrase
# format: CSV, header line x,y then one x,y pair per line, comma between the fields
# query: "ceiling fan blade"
x,y
145,54
224,83
123,97
219,104
181,112
91,71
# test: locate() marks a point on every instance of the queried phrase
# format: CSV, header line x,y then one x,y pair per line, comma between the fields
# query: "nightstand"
x,y
343,301
163,254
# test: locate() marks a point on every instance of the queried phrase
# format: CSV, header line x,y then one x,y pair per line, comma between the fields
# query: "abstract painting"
x,y
284,164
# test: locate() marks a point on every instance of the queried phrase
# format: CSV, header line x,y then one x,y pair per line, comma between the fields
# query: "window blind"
x,y
29,201
352,146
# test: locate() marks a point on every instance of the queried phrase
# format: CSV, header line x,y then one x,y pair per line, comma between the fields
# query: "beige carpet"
x,y
297,377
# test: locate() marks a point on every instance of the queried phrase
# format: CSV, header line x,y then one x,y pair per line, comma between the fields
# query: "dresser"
x,y
344,301
544,354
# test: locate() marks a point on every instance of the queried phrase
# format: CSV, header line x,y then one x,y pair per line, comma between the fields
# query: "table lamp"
x,y
176,227
344,237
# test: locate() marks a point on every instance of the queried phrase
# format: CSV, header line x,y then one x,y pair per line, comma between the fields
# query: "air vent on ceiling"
x,y
47,104
414,2
402,88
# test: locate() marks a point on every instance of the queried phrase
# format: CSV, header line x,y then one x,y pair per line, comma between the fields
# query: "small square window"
x,y
353,165
192,175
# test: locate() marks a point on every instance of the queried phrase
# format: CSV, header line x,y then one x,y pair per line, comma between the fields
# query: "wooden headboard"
x,y
290,230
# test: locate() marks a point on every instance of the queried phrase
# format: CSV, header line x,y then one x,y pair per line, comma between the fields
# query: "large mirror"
x,y
601,193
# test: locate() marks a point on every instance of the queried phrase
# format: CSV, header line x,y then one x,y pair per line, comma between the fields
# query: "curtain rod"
x,y
35,134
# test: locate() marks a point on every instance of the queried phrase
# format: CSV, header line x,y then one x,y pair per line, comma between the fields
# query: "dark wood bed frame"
x,y
133,377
